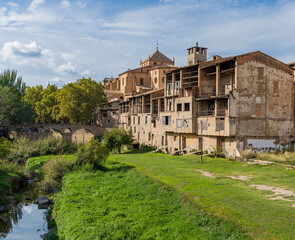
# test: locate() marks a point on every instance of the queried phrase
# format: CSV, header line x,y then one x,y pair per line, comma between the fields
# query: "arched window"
x,y
155,80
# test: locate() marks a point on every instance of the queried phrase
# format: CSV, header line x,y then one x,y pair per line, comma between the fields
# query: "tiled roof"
x,y
157,56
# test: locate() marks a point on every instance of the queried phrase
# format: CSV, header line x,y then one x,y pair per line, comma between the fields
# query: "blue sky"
x,y
60,41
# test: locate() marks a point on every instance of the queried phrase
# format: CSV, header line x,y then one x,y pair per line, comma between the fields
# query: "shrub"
x,y
248,154
5,146
54,171
22,148
94,153
117,137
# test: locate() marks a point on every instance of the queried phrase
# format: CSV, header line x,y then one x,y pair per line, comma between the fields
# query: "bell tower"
x,y
196,54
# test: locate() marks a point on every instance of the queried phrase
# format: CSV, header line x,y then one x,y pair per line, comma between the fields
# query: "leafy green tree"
x,y
79,101
9,79
8,107
44,102
5,146
94,153
118,137
12,92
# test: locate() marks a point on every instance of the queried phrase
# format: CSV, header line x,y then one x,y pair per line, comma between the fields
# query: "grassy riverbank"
x,y
120,203
260,198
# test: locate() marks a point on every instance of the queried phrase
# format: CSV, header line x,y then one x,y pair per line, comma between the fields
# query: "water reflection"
x,y
24,221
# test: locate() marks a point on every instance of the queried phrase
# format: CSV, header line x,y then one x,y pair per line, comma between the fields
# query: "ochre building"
x,y
233,103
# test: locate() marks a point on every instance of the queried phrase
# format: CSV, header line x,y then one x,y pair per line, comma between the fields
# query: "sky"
x,y
60,41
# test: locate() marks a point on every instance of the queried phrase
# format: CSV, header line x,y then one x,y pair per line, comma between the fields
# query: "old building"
x,y
148,77
233,103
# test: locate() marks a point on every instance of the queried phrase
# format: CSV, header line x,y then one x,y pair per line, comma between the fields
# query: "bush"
x,y
23,148
5,146
117,137
54,171
248,154
94,153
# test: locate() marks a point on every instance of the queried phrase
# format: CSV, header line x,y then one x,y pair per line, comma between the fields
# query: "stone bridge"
x,y
75,133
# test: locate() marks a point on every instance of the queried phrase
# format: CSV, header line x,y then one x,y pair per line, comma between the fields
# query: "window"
x,y
179,123
138,120
133,120
175,138
186,123
276,87
155,63
204,125
146,119
149,136
219,124
179,107
155,80
186,107
163,79
134,129
141,81
154,122
169,104
166,120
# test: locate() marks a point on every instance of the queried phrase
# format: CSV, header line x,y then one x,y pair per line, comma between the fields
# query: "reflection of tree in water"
x,y
8,218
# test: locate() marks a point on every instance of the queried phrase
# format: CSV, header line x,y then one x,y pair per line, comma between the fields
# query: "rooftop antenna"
x,y
197,44
157,44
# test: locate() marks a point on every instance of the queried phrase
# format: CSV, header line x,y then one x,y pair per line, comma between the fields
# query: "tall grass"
x,y
287,157
22,148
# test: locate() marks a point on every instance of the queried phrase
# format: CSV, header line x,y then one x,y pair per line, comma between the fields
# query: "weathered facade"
x,y
233,103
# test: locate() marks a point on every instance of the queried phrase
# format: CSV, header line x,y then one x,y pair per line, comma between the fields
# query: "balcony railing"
x,y
219,113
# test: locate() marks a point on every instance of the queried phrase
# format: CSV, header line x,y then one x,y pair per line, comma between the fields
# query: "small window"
x,y
133,120
179,123
146,119
138,120
179,107
149,136
186,107
163,79
141,81
175,138
155,63
134,129
166,121
155,80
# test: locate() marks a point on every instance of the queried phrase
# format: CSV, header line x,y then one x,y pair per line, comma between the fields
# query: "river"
x,y
23,220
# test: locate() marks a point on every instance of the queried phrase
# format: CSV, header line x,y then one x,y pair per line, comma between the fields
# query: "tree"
x,y
44,102
79,101
94,153
9,79
117,137
13,88
8,107
5,146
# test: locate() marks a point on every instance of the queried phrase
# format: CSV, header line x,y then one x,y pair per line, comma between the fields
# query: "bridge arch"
x,y
82,135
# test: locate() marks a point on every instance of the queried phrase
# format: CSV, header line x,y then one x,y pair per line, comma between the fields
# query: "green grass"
x,y
123,204
231,200
36,163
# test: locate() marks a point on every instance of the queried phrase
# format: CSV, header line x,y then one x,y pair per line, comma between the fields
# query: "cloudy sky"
x,y
61,41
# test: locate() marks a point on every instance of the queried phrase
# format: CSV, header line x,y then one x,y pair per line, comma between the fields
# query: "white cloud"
x,y
86,73
66,69
3,10
65,4
18,49
81,4
12,4
34,4
68,56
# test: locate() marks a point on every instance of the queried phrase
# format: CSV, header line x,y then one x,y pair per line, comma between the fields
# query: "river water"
x,y
24,221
